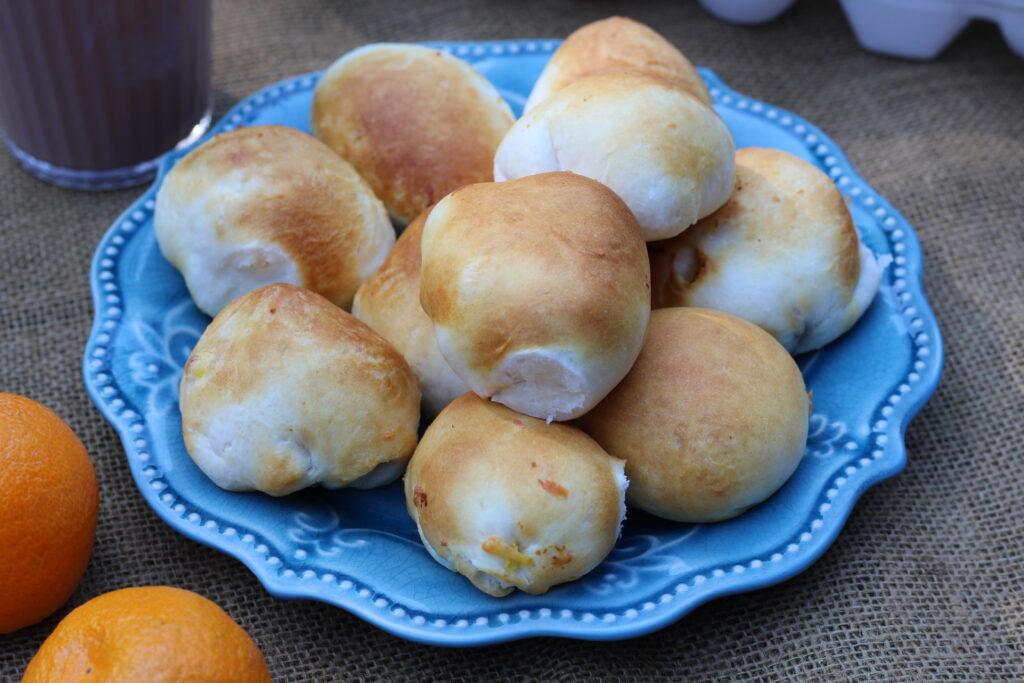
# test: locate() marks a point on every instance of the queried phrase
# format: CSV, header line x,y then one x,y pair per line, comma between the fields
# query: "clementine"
x,y
149,633
49,501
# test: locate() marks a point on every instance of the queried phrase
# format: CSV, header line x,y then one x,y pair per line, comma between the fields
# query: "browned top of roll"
x,y
284,390
611,44
414,121
272,185
560,253
711,419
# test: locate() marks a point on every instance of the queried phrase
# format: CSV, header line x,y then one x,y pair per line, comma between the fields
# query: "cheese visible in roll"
x,y
538,290
269,204
782,253
662,150
510,501
285,390
711,420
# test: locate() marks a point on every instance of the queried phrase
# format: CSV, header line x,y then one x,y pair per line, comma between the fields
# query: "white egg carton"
x,y
918,29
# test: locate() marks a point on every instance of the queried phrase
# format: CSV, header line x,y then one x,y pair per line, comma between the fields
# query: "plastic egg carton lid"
x,y
919,29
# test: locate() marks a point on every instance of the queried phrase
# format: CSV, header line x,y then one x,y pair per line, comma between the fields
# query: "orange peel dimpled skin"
x,y
49,504
156,634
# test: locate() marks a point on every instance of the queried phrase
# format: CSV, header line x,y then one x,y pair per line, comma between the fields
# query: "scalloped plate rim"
x,y
596,629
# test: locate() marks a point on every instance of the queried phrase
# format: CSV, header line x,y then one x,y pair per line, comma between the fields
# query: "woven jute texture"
x,y
925,580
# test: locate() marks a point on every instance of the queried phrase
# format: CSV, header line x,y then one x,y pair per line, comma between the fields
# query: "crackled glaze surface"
x,y
360,551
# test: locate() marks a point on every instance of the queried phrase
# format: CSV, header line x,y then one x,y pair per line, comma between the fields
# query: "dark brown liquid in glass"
x,y
102,84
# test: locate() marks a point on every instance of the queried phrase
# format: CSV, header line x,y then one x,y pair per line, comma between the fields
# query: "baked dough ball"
x,y
510,501
414,121
285,390
269,204
711,420
616,43
538,290
655,144
782,253
389,302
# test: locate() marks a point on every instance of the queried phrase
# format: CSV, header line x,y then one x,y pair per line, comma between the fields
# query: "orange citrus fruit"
x,y
149,633
49,501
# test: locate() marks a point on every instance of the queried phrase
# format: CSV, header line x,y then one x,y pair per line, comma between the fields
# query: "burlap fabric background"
x,y
924,582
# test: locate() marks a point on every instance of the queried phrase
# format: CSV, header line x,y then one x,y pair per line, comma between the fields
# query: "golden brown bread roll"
x,y
414,121
285,390
654,143
269,204
389,302
711,420
510,501
538,290
782,253
616,43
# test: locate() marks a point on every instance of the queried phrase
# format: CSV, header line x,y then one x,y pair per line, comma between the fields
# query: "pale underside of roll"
x,y
783,253
662,150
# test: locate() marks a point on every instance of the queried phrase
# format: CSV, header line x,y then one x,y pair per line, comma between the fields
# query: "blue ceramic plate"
x,y
359,549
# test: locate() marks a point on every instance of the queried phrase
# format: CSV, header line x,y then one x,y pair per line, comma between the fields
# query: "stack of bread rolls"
x,y
516,307
619,104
